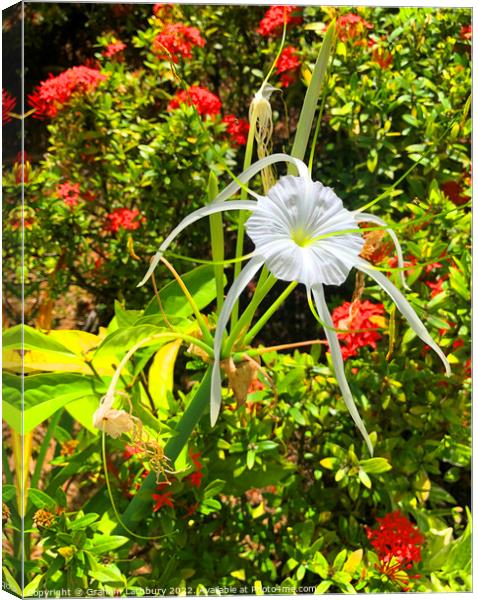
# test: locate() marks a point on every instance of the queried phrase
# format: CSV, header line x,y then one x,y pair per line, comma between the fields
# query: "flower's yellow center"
x,y
301,237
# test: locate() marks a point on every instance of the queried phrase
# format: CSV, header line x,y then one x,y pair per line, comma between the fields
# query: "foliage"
x,y
280,494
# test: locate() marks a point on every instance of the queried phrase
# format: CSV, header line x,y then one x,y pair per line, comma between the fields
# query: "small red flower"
x,y
237,129
195,477
178,40
162,500
206,102
396,538
113,48
358,315
351,27
454,191
273,21
436,286
69,193
123,218
194,456
287,65
382,57
465,32
54,93
8,104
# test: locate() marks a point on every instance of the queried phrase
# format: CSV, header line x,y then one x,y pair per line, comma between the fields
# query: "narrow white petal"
x,y
234,187
337,360
232,296
405,308
192,218
367,217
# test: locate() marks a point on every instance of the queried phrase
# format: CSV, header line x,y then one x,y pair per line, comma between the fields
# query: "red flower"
x,y
177,39
162,500
350,27
459,343
273,21
287,65
358,315
8,104
113,48
465,32
396,538
237,129
195,477
194,456
382,57
69,193
454,191
123,218
53,93
436,286
206,102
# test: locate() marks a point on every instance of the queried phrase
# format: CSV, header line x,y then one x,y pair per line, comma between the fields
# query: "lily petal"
x,y
235,291
337,360
192,218
367,217
405,308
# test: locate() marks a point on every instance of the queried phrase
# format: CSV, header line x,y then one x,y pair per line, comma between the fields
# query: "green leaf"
x,y
319,565
309,106
83,522
375,465
108,574
8,492
31,588
201,284
297,415
100,544
44,394
10,585
40,499
32,340
214,488
340,560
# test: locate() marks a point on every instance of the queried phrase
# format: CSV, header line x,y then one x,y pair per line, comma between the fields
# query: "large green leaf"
x,y
309,106
120,341
32,340
44,394
201,284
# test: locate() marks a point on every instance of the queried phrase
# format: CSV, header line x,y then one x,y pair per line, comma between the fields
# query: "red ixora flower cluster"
x,y
465,32
273,21
351,27
396,538
237,129
176,40
358,315
53,93
197,475
69,193
113,48
287,65
206,102
123,218
8,104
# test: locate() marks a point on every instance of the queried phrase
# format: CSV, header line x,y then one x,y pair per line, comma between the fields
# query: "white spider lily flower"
x,y
302,233
112,421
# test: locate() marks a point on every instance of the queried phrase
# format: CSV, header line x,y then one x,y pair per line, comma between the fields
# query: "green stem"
x,y
241,219
141,505
268,314
248,314
44,448
217,242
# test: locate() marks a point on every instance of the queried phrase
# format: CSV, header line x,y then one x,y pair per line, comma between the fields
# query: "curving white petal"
x,y
254,169
338,362
189,220
368,218
405,308
235,291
